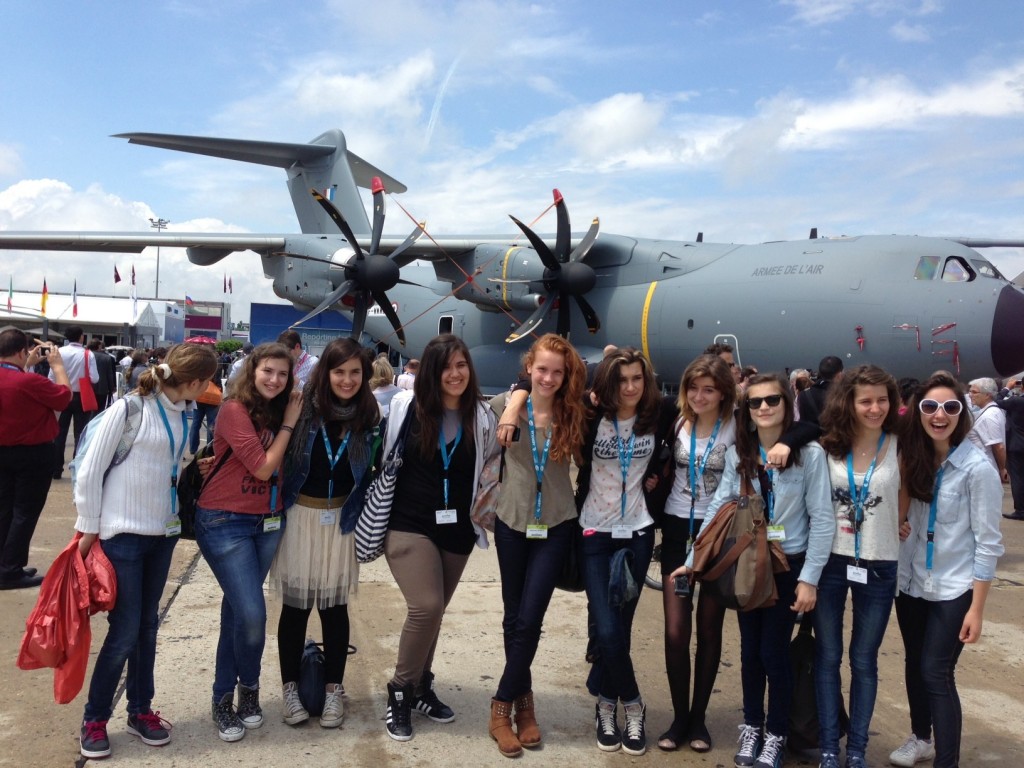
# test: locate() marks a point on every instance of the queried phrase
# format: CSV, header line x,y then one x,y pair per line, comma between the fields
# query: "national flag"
x,y
230,289
46,294
10,294
74,300
188,301
117,277
225,282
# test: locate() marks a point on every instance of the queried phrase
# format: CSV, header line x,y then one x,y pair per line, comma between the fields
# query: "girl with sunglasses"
x,y
946,564
798,507
860,415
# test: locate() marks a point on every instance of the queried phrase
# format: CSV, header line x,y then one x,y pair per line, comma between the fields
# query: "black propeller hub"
x,y
373,273
576,278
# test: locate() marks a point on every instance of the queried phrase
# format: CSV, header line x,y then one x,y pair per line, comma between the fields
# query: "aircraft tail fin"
x,y
324,164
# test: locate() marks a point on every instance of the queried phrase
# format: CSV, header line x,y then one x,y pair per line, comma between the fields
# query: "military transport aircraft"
x,y
910,304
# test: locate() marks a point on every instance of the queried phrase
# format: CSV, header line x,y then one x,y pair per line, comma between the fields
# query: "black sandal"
x,y
700,739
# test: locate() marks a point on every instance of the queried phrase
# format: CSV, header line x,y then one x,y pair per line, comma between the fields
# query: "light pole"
x,y
159,225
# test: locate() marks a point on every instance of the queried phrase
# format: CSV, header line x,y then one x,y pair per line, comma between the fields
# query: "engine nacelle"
x,y
511,277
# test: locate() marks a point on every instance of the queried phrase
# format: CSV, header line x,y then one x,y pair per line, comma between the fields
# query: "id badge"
x,y
328,517
536,531
929,584
856,574
272,524
776,533
173,527
622,532
445,516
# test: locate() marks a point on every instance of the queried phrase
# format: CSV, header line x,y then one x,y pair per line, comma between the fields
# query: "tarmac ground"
x,y
34,731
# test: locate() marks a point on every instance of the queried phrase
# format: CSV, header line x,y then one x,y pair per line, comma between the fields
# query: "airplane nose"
x,y
1007,339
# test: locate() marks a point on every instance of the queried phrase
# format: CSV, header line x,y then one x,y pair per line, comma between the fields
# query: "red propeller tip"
x,y
557,195
376,185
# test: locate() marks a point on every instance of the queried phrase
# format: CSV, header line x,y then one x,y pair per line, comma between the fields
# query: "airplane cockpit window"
x,y
957,270
927,267
985,269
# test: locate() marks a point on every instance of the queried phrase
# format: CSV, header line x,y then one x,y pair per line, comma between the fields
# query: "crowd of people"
x,y
885,493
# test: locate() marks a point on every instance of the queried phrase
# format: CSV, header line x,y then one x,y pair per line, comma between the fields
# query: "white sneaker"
x,y
334,708
913,751
294,712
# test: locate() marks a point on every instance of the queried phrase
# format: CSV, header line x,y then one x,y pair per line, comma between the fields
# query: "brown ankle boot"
x,y
526,722
501,729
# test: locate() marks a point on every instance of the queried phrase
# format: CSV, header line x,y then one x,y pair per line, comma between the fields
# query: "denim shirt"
x,y
803,506
295,477
967,538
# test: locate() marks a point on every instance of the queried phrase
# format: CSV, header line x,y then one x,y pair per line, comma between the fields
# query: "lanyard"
x,y
12,367
175,455
771,488
625,459
858,499
697,473
539,461
332,459
446,458
933,511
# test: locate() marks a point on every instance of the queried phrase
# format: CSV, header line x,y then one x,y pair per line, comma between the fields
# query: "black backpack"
x,y
190,487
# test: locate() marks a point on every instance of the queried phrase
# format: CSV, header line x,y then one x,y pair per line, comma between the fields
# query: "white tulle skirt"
x,y
315,564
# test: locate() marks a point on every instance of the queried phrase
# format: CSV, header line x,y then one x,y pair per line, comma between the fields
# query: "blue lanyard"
x,y
625,459
858,499
771,482
12,367
446,458
539,461
175,455
932,513
333,459
697,474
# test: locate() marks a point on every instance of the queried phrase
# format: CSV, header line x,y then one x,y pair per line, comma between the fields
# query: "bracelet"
x,y
286,428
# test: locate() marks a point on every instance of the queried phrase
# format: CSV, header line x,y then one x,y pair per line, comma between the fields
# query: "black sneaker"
x,y
634,735
249,711
749,746
428,704
229,727
609,738
150,727
94,741
398,717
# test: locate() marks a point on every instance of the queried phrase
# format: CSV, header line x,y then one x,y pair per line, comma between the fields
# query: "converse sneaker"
x,y
634,736
398,717
912,751
249,711
606,715
294,712
829,760
150,727
334,708
94,741
229,727
428,704
773,751
750,745
856,761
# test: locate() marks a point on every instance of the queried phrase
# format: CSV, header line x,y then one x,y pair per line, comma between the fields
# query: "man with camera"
x,y
27,429
73,355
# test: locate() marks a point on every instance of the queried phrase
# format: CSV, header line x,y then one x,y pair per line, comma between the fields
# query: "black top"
x,y
320,473
811,401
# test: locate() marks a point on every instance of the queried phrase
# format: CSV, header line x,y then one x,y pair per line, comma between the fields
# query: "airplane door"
x,y
732,341
451,322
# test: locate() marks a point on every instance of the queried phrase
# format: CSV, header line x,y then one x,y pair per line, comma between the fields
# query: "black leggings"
x,y
291,639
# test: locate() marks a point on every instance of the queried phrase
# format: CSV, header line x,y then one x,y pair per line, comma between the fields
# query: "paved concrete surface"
x,y
36,732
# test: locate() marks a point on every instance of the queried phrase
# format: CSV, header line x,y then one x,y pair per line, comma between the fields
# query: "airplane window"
x,y
445,324
985,269
927,267
957,271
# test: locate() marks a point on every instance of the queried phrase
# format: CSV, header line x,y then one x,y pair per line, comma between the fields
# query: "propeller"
x,y
368,276
565,274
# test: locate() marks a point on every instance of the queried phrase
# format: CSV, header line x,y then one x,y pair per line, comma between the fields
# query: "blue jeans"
x,y
529,569
872,604
239,553
202,411
612,675
140,564
764,655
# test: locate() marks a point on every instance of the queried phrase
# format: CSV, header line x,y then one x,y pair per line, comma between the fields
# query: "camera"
x,y
44,350
682,586
515,435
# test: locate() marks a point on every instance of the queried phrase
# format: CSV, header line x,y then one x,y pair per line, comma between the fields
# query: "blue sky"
x,y
748,121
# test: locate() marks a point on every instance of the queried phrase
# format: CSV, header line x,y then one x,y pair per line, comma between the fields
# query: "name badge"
x,y
445,516
536,531
776,533
173,527
856,574
328,517
272,524
929,584
622,532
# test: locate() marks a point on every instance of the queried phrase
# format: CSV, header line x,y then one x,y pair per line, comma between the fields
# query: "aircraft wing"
x,y
135,242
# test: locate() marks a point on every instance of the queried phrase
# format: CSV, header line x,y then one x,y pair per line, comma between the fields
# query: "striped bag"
x,y
373,520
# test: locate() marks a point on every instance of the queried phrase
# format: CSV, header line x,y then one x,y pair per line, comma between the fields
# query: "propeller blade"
x,y
378,213
562,328
389,312
588,240
539,246
339,220
562,233
329,301
589,315
531,322
412,238
359,315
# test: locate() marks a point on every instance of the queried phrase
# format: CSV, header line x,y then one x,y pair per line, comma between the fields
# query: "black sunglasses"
x,y
753,403
951,407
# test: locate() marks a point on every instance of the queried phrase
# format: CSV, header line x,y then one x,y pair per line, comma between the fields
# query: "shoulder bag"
x,y
373,520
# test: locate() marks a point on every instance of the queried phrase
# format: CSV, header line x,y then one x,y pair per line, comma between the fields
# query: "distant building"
x,y
117,321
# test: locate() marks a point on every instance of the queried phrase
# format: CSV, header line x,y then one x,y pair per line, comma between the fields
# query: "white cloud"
x,y
820,12
909,33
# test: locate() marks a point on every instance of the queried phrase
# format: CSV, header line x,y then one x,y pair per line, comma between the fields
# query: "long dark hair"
x,y
606,389
747,443
917,454
265,414
839,418
429,396
318,389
